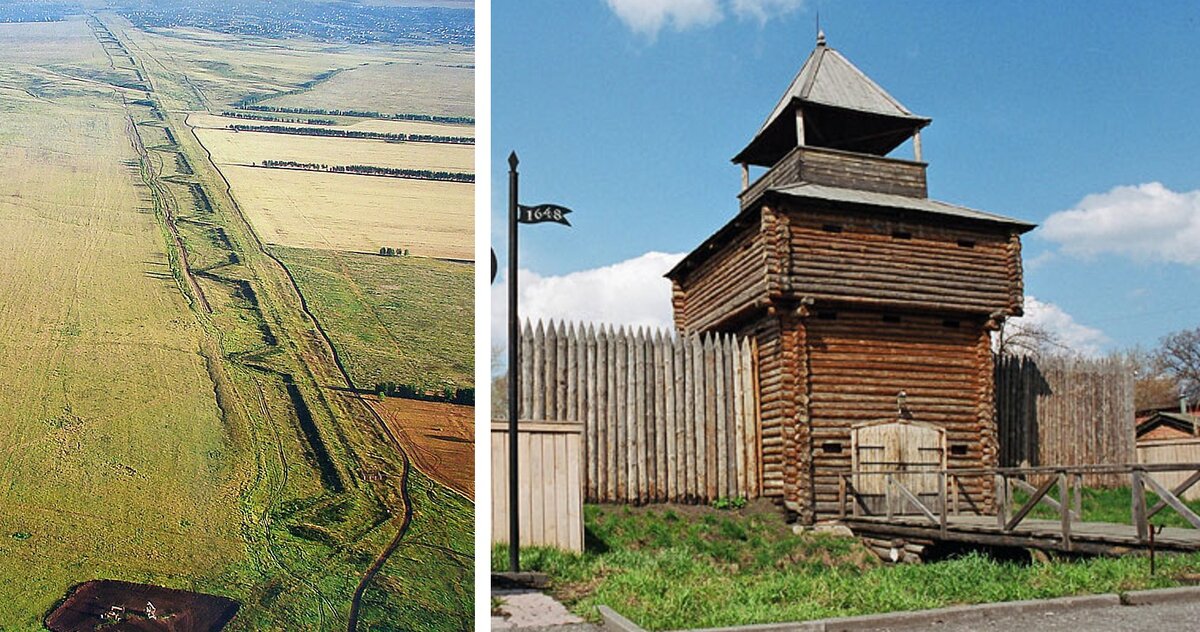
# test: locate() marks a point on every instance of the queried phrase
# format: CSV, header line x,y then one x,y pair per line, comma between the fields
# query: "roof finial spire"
x,y
820,33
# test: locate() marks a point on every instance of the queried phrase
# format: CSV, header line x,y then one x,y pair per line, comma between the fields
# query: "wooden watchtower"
x,y
857,287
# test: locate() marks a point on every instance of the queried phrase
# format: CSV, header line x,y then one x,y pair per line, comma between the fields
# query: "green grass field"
x,y
407,320
686,567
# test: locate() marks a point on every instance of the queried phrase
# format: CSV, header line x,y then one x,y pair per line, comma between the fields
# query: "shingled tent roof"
x,y
843,108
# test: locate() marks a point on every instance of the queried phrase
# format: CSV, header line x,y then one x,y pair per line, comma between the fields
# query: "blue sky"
x,y
628,111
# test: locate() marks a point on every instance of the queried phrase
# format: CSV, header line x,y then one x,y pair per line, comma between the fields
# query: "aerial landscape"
x,y
237,315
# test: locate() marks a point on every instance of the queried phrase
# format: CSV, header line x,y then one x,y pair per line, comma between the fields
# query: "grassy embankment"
x,y
686,567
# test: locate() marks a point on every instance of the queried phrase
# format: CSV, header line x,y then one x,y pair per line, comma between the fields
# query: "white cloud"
x,y
1067,335
648,17
763,10
1146,223
631,293
1043,258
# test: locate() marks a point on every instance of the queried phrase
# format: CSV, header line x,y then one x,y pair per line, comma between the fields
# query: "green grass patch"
x,y
428,583
408,320
688,567
1108,505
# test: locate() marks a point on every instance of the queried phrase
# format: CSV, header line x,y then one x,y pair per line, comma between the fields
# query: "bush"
x,y
729,503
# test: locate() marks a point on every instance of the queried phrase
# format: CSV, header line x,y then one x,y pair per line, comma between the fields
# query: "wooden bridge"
x,y
933,504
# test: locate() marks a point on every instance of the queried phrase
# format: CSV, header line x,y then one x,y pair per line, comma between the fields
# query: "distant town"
x,y
278,19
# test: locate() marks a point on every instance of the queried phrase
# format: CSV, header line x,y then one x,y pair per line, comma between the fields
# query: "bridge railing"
x,y
1058,488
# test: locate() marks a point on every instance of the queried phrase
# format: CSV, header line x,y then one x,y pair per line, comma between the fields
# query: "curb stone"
x,y
614,622
1161,595
967,613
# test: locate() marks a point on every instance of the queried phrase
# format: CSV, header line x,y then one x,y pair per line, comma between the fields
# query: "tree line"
x,y
346,133
247,104
451,394
370,170
278,119
1162,375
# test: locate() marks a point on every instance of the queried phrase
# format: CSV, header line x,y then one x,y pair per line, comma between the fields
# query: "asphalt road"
x,y
1168,617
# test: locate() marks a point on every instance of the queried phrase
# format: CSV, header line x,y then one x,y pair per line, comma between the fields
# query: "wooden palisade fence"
x,y
1066,412
666,418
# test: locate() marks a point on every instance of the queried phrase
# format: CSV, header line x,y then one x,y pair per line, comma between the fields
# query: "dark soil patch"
x,y
175,610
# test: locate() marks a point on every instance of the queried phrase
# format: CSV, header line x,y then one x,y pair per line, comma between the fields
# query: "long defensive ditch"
x,y
311,356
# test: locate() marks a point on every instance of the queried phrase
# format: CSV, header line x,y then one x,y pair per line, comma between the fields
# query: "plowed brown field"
x,y
439,437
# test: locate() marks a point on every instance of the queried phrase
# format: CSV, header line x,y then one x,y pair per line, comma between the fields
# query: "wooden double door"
x,y
910,453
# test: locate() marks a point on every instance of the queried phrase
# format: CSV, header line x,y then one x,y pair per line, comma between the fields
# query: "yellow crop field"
x,y
215,121
361,213
231,147
444,89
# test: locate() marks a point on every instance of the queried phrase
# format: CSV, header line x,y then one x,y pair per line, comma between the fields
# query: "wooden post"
x,y
739,443
745,176
636,425
855,510
588,416
750,406
799,127
1001,500
721,425
709,429
942,501
1138,493
662,358
842,496
1064,506
887,495
954,482
1078,500
539,373
917,146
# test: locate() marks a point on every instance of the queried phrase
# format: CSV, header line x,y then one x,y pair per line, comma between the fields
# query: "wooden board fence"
x,y
1065,411
1171,451
666,418
550,479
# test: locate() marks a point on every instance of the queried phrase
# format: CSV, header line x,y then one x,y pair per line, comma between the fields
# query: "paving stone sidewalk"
x,y
531,610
